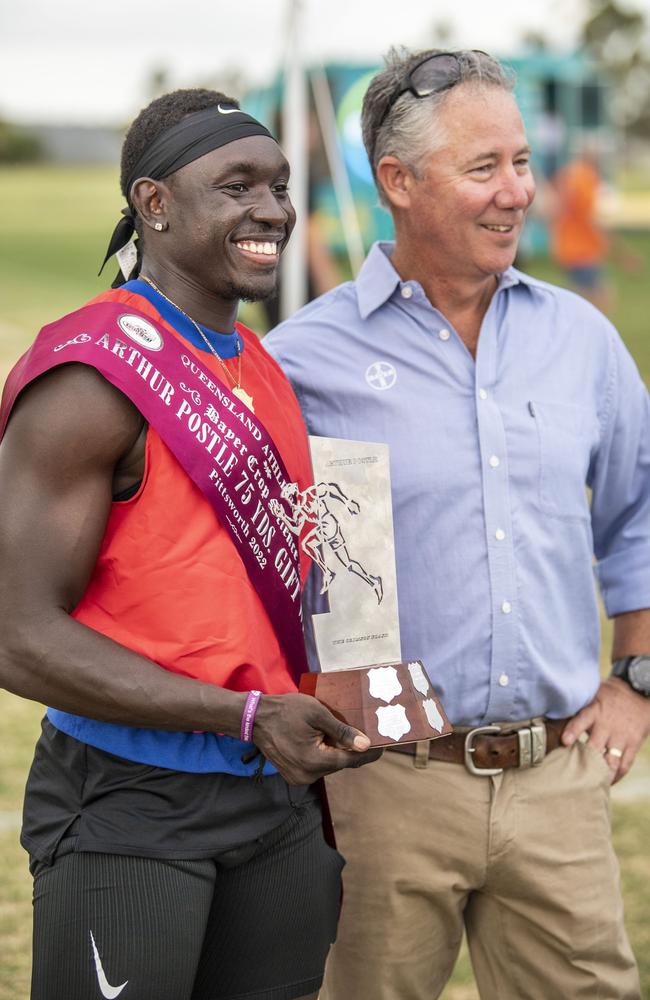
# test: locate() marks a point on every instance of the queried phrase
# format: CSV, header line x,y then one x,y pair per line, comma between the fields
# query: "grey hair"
x,y
411,130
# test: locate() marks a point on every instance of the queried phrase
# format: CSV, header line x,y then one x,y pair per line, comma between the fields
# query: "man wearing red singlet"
x,y
148,598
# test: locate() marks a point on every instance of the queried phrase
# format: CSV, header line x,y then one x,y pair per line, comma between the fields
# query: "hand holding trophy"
x,y
345,525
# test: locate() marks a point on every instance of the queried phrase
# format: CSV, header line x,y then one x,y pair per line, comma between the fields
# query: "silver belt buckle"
x,y
482,772
532,744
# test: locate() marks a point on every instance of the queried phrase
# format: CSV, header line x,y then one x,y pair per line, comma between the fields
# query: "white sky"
x,y
89,61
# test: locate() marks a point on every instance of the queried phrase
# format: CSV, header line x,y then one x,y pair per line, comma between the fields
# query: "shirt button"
x,y
482,394
444,335
499,534
506,607
494,461
407,292
504,680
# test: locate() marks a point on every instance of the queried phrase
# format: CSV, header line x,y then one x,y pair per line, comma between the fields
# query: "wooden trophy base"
x,y
392,703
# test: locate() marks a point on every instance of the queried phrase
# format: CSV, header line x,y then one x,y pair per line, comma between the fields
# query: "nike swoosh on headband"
x,y
228,111
108,991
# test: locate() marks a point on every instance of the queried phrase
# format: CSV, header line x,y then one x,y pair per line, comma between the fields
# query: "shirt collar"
x,y
377,280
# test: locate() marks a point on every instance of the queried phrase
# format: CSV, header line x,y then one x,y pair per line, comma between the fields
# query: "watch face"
x,y
639,673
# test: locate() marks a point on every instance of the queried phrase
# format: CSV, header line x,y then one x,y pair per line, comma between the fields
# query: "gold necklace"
x,y
237,391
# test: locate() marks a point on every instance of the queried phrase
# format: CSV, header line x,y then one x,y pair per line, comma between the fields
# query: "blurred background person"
x,y
578,241
581,243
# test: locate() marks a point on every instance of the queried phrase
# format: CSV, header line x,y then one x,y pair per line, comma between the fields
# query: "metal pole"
x,y
338,171
294,142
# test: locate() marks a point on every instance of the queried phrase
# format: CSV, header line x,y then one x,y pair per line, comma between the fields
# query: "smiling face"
x,y
464,212
230,216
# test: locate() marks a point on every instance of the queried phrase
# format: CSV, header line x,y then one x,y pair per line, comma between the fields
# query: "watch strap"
x,y
621,669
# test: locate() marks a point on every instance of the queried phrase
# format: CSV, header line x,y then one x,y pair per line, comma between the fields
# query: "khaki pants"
x,y
523,861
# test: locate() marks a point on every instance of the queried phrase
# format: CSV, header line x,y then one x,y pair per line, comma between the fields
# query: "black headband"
x,y
194,136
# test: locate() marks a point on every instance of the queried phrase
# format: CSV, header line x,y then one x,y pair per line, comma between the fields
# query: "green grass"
x,y
55,226
21,727
56,223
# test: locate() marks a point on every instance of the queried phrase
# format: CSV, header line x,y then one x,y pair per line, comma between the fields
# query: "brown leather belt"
x,y
486,750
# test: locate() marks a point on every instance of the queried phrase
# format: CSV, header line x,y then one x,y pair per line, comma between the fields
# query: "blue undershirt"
x,y
226,345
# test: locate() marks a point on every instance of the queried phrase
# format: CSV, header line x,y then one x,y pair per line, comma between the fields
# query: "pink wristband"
x,y
248,717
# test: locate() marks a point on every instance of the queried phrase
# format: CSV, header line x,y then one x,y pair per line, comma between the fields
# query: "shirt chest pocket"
x,y
564,436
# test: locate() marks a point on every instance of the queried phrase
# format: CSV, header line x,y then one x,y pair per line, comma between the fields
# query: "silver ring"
x,y
614,751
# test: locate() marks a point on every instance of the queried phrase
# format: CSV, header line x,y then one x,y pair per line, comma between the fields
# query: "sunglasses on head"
x,y
431,75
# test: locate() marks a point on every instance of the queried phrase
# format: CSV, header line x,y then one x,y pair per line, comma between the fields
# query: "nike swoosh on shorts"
x,y
108,991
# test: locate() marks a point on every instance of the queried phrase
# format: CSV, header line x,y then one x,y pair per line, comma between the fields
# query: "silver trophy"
x,y
345,525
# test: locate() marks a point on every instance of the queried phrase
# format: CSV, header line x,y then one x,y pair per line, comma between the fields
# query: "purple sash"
x,y
222,446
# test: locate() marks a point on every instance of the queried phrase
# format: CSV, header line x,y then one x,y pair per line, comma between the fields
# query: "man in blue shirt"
x,y
503,399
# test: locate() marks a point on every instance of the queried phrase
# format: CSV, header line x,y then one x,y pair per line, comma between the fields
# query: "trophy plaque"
x,y
346,527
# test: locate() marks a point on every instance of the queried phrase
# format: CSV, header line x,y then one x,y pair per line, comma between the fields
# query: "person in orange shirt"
x,y
578,243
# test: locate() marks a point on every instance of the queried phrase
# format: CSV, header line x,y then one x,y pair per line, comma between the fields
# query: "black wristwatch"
x,y
636,671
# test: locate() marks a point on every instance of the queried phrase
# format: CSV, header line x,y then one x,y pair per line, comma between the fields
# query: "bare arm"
x,y
68,433
631,634
618,716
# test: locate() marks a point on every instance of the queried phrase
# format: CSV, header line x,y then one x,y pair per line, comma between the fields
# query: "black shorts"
x,y
253,921
122,807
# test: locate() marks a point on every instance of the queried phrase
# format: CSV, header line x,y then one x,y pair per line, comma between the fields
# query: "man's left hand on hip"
x,y
617,721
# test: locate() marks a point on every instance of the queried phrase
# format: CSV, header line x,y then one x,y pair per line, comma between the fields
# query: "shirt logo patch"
x,y
141,331
381,375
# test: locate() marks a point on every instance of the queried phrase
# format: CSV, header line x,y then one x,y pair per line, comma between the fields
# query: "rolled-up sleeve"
x,y
621,489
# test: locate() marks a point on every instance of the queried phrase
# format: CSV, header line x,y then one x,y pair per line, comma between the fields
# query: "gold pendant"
x,y
241,394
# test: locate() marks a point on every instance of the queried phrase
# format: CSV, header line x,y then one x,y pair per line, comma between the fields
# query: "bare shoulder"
x,y
69,431
72,416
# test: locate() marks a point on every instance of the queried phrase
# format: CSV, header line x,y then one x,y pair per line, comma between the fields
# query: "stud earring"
x,y
159,227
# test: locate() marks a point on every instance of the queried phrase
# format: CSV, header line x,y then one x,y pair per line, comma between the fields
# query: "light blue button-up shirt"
x,y
496,539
